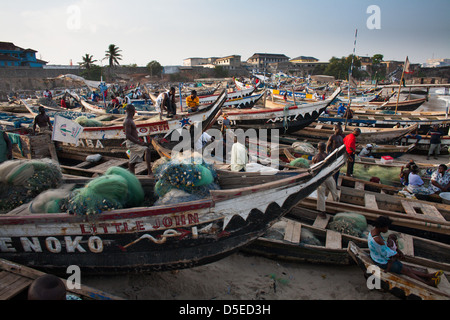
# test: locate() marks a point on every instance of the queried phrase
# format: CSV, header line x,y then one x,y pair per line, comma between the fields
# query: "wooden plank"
x,y
289,230
333,240
431,211
110,163
15,288
319,126
359,185
408,206
370,201
83,164
321,223
408,242
11,284
292,233
297,233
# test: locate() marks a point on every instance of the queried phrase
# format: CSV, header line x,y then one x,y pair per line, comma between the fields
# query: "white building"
x,y
436,63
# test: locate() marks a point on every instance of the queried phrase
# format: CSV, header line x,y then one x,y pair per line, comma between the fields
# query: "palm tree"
x,y
113,55
87,61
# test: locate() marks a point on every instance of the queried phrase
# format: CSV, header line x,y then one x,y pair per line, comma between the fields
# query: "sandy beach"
x,y
245,277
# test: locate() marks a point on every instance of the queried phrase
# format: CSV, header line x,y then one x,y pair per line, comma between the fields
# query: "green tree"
x,y
87,61
113,55
378,72
155,68
340,68
220,72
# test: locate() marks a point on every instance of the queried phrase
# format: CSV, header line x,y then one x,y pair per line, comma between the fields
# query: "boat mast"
x,y
349,77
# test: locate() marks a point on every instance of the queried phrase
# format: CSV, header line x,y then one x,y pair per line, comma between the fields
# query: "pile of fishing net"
x,y
350,223
304,147
23,180
116,189
184,179
387,175
87,122
299,163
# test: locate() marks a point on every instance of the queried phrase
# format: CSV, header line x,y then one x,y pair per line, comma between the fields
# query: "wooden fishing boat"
x,y
400,285
378,151
108,140
291,96
15,279
287,118
307,238
363,117
159,237
368,134
423,145
407,105
422,218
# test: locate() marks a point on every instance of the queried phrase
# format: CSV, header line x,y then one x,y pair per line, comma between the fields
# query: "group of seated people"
x,y
410,178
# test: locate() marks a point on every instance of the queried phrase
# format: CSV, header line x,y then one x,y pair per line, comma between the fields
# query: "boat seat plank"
x,y
12,284
292,232
370,201
83,164
408,206
408,242
333,240
359,185
431,211
321,223
319,126
110,163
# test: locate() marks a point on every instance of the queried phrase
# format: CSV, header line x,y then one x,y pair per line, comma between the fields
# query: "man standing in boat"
x,y
139,150
350,146
329,184
166,101
43,122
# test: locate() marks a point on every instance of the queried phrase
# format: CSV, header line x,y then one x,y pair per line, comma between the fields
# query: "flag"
x,y
407,67
65,130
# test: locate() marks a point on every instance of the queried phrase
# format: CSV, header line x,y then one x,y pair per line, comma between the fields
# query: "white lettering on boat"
x,y
51,244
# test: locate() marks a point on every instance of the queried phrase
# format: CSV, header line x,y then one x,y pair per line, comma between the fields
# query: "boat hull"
x,y
161,237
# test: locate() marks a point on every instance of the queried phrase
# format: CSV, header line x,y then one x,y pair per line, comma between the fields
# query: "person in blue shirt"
x,y
341,110
388,258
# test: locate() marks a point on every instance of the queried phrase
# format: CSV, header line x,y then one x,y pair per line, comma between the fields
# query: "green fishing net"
x,y
86,122
350,223
387,175
195,177
300,163
22,180
116,189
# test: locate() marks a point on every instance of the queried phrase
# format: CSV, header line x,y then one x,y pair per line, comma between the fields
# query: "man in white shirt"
x,y
239,157
202,141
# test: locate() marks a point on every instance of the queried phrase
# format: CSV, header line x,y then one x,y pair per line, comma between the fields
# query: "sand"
x,y
245,277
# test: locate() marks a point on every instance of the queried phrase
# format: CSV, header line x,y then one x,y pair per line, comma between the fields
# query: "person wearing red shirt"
x,y
63,103
350,146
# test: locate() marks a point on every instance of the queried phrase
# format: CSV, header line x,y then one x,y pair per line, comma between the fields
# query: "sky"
x,y
170,31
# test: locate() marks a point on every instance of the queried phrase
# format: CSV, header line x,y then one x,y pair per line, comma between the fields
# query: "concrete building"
x,y
259,61
14,56
229,63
